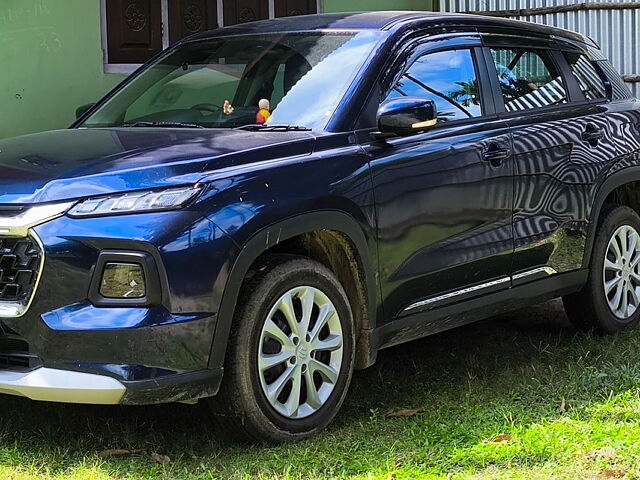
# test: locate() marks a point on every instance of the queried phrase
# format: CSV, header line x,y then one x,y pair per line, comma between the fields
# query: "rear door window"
x,y
618,89
528,79
448,78
588,78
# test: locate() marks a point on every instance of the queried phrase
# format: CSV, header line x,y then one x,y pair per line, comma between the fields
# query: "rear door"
x,y
562,139
443,197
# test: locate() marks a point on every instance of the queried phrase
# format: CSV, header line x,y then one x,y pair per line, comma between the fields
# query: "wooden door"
x,y
290,8
187,17
134,30
242,11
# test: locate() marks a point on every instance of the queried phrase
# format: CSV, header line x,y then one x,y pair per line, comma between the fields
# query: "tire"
x,y
242,407
591,310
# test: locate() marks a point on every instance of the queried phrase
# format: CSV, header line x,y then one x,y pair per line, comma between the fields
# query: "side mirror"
x,y
80,111
406,116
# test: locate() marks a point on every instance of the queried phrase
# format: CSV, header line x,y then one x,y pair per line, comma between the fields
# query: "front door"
x,y
443,197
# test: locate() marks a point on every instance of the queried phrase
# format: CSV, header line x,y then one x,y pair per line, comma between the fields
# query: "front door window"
x,y
449,79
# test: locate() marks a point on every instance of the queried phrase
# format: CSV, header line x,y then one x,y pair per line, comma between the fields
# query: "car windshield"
x,y
293,79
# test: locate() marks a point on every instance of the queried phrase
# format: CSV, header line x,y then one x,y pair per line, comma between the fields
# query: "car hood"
x,y
68,164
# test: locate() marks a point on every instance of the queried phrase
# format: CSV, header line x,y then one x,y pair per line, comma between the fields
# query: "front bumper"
x,y
54,385
89,353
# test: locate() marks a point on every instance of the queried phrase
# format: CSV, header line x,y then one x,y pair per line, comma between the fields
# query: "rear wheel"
x,y
609,302
290,355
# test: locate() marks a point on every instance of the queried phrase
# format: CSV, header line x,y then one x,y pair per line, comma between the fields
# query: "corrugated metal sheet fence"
x,y
616,31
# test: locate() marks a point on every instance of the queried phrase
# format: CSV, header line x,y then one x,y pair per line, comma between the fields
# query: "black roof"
x,y
386,21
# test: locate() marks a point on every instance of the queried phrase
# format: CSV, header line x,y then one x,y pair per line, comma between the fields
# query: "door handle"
x,y
592,135
494,154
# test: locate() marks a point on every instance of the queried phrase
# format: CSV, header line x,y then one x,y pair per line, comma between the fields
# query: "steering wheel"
x,y
207,107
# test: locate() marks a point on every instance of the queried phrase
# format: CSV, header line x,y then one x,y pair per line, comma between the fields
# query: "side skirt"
x,y
429,322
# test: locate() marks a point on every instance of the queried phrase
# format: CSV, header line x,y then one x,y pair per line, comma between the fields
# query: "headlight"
x,y
149,201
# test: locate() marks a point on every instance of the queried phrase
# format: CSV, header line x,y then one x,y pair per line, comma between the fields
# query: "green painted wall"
x,y
51,58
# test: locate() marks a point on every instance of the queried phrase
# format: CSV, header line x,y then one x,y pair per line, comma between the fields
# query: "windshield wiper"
x,y
257,127
163,125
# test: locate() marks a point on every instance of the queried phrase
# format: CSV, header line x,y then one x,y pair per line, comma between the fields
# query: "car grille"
x,y
15,352
20,260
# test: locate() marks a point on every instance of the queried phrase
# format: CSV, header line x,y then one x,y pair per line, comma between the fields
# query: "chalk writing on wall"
x,y
24,27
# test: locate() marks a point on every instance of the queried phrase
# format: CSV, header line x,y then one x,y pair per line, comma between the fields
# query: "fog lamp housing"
x,y
123,280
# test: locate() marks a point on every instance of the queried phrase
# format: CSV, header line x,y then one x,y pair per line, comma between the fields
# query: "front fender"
x,y
271,236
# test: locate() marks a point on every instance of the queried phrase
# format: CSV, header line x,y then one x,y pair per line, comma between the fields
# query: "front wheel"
x,y
290,356
609,302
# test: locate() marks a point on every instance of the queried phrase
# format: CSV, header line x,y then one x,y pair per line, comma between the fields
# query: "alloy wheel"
x,y
621,272
300,352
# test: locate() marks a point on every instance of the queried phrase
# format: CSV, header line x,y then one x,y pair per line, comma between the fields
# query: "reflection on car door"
x,y
561,141
443,197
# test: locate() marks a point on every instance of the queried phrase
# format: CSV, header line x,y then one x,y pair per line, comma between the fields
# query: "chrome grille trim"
x,y
21,226
18,309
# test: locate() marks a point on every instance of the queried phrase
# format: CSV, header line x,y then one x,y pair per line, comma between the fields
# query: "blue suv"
x,y
260,209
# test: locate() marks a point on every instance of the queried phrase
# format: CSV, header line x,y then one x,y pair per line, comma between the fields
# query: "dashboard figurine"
x,y
227,108
264,113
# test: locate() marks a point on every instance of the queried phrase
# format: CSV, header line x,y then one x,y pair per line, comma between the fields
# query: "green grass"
x,y
568,407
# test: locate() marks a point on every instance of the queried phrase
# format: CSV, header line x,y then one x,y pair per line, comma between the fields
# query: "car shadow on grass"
x,y
467,363
453,355
478,353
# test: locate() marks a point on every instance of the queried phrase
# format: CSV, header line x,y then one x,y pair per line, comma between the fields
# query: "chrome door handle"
x,y
495,155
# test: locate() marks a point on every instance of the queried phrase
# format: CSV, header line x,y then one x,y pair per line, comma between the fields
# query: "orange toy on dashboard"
x,y
264,113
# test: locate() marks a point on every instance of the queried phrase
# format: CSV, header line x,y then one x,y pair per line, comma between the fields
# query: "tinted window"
x,y
619,89
447,78
528,79
587,76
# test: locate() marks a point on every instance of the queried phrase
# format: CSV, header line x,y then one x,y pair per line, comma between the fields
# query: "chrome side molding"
x,y
482,286
535,271
464,291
